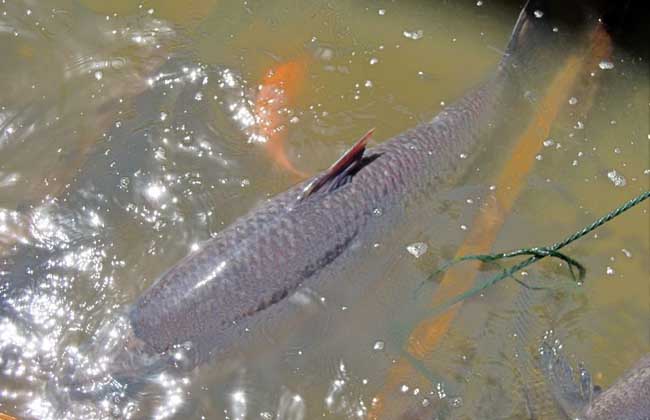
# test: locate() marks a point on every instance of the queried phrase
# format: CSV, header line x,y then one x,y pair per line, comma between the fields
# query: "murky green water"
x,y
126,139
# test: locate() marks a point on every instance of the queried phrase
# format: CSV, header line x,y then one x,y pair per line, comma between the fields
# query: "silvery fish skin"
x,y
627,399
253,266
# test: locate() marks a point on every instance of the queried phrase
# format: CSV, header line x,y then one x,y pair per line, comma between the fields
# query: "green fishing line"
x,y
536,254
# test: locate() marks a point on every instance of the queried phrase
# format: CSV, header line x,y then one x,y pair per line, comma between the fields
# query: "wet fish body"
x,y
255,264
627,399
267,255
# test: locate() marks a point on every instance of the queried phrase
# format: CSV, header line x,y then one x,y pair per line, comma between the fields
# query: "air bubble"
x,y
417,249
414,35
606,65
617,179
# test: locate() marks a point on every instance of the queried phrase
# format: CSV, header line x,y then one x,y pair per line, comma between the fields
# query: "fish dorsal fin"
x,y
336,175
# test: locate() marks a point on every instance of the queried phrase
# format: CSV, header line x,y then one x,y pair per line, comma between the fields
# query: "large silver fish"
x,y
250,269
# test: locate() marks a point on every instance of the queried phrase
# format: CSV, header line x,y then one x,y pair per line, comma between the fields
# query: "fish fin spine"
x,y
339,173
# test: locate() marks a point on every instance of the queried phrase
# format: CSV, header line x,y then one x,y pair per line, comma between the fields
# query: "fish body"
x,y
627,399
249,269
265,256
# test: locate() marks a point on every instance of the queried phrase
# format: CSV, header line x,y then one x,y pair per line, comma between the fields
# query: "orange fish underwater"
x,y
281,86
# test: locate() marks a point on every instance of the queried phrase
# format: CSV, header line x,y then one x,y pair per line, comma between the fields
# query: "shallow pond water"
x,y
129,134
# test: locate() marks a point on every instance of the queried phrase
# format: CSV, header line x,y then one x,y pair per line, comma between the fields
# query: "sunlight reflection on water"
x,y
125,145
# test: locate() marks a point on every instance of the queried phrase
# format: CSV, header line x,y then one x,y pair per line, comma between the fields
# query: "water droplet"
x,y
124,183
414,35
377,212
617,179
539,157
374,61
379,345
606,65
99,75
163,116
159,154
479,3
456,402
404,389
441,391
573,100
538,13
381,12
463,227
368,84
548,143
609,271
417,249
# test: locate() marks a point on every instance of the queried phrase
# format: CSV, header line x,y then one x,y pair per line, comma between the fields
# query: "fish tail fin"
x,y
545,31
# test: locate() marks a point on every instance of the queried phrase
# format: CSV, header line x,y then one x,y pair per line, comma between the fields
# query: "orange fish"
x,y
280,88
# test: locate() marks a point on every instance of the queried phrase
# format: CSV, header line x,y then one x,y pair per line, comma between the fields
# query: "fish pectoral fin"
x,y
342,170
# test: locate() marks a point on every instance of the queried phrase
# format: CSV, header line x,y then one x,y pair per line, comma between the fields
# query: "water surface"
x,y
125,138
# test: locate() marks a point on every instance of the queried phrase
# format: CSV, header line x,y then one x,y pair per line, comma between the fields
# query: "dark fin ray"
x,y
346,166
545,34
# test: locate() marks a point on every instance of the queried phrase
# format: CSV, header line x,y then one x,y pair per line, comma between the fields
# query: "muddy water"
x,y
127,137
